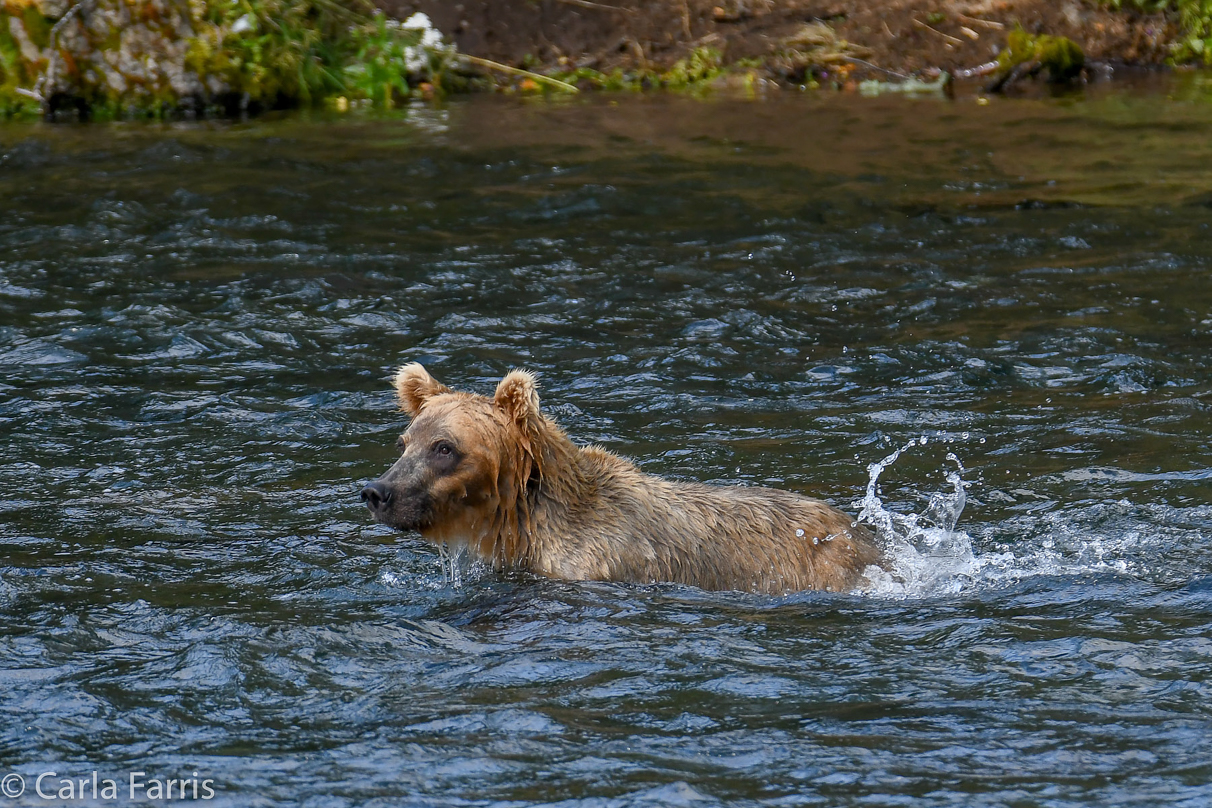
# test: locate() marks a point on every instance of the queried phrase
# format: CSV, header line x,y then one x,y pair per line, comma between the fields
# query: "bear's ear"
x,y
414,385
518,396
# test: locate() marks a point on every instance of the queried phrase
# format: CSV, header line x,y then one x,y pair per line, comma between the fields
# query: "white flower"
x,y
414,59
420,20
245,23
431,39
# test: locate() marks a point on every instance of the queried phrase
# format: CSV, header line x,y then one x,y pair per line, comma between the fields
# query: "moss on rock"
x,y
1060,57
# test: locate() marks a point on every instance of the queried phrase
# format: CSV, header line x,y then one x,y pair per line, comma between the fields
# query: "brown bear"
x,y
496,476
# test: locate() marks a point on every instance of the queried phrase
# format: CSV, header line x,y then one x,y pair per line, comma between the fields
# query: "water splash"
x,y
927,555
455,561
452,563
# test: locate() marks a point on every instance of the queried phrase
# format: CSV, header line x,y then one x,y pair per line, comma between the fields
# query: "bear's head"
x,y
466,462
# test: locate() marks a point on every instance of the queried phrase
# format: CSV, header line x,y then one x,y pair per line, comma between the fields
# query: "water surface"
x,y
197,325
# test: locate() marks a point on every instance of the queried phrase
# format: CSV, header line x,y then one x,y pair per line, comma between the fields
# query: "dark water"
x,y
196,328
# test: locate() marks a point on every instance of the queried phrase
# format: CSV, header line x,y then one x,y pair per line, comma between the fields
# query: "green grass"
x,y
14,74
290,52
261,54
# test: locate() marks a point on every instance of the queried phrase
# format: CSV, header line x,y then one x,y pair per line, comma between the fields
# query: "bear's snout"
x,y
376,496
401,507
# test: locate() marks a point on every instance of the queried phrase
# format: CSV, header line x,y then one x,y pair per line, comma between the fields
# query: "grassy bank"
x,y
154,57
148,58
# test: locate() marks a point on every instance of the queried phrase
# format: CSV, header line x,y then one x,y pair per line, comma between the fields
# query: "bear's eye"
x,y
443,449
401,444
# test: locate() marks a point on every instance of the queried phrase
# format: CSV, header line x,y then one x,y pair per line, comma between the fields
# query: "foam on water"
x,y
928,555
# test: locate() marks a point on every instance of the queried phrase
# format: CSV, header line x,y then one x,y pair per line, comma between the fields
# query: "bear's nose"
x,y
376,496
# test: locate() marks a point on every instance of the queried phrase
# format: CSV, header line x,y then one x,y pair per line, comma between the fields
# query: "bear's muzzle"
x,y
408,509
376,496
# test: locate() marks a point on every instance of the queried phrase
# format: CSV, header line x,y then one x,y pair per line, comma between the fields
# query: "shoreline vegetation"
x,y
107,59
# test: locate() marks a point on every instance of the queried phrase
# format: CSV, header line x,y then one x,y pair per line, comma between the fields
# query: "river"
x,y
987,327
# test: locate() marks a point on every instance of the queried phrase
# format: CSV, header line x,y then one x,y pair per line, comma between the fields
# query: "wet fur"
x,y
518,493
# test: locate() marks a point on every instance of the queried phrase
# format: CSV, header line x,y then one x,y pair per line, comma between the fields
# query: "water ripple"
x,y
198,326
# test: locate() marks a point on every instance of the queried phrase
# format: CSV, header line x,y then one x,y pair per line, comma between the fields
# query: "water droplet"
x,y
799,532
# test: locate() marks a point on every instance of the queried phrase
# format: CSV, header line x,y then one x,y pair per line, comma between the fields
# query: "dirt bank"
x,y
909,37
118,58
